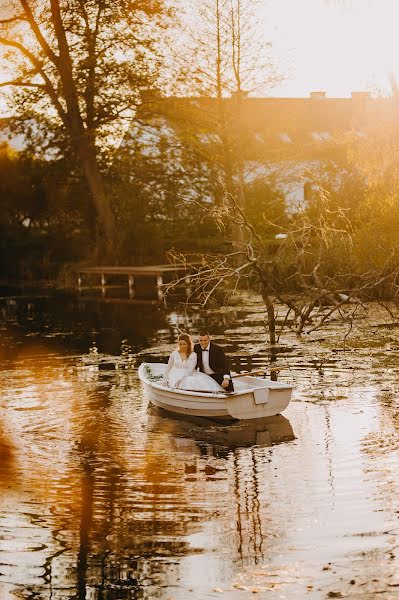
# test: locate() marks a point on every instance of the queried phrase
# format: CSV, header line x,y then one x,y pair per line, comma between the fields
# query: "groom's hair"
x,y
203,333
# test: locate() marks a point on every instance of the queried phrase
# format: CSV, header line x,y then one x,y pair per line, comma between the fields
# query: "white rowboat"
x,y
253,397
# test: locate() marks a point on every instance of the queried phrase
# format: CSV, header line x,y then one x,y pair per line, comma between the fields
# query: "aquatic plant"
x,y
150,375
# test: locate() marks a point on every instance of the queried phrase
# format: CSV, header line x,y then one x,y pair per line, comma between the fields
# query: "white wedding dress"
x,y
181,374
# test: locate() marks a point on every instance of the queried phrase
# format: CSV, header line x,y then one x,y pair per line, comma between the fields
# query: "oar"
x,y
271,370
248,373
203,391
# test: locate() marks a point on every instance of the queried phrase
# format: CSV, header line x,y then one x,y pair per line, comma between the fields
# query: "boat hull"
x,y
254,397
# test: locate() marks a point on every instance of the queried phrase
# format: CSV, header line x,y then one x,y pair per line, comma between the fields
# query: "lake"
x,y
106,498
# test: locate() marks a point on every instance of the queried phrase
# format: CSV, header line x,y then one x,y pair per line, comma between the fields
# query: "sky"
x,y
337,46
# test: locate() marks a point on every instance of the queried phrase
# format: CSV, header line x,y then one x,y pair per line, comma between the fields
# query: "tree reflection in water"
x,y
116,493
7,466
245,446
102,499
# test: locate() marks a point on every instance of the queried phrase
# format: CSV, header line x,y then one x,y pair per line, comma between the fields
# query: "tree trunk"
x,y
106,219
80,136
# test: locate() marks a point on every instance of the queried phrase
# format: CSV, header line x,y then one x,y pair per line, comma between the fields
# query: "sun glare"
x,y
335,46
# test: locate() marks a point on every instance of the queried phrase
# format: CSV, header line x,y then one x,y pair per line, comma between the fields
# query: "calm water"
x,y
104,498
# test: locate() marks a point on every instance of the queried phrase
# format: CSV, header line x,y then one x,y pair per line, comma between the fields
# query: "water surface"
x,y
103,497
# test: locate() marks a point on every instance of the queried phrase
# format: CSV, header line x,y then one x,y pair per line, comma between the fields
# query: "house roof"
x,y
274,128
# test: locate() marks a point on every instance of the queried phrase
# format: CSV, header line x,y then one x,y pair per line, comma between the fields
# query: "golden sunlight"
x,y
335,46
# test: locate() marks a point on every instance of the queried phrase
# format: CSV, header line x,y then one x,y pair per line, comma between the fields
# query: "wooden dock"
x,y
156,272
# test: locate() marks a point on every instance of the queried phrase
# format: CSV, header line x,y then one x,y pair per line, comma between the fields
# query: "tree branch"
x,y
17,82
38,34
39,68
12,20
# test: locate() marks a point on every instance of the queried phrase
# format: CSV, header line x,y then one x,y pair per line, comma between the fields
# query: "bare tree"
x,y
225,58
309,277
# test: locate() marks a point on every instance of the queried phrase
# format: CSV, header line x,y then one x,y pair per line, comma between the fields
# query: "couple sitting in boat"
x,y
199,367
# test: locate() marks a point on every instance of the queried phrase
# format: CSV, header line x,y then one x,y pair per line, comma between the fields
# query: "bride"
x,y
180,371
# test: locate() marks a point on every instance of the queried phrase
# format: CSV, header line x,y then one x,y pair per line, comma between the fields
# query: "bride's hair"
x,y
186,338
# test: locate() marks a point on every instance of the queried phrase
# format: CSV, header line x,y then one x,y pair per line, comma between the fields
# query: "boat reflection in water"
x,y
206,436
229,469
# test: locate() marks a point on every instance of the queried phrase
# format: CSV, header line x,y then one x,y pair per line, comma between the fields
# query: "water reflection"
x,y
62,320
199,439
200,435
106,496
103,497
7,467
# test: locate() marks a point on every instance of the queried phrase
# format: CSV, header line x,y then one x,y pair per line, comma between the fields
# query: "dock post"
x,y
131,286
103,284
159,287
80,282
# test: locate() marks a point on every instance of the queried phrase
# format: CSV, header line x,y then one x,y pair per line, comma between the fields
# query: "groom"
x,y
212,360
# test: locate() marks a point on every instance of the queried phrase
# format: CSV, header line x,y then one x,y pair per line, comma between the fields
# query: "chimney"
x,y
318,95
240,95
150,94
360,95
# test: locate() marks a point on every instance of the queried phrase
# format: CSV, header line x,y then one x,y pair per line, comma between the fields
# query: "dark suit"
x,y
217,361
